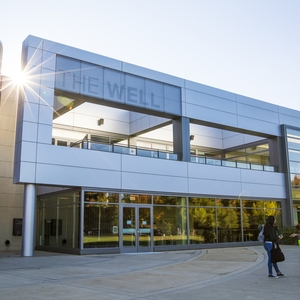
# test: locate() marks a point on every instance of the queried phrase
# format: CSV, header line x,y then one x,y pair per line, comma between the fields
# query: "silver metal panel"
x,y
78,158
47,96
270,178
172,107
45,115
265,190
32,41
190,85
154,182
45,134
257,113
256,103
153,121
238,139
210,101
207,141
82,55
212,173
292,120
30,111
284,111
49,60
151,74
29,132
34,57
211,115
27,172
47,78
142,165
28,151
31,95
76,176
214,187
259,125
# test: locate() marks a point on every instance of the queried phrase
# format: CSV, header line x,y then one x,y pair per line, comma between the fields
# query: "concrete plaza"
x,y
223,273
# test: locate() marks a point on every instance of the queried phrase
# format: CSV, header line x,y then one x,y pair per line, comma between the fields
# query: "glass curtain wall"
x,y
58,220
229,220
202,220
293,144
254,215
101,220
175,221
170,220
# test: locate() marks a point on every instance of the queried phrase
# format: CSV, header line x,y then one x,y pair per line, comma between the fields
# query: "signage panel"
x,y
99,82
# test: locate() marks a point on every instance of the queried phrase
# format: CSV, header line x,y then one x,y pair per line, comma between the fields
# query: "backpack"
x,y
261,236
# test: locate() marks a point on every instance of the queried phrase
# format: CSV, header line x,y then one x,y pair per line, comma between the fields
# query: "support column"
x,y
181,138
287,206
28,220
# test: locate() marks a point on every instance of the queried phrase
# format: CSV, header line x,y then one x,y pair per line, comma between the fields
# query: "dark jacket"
x,y
271,234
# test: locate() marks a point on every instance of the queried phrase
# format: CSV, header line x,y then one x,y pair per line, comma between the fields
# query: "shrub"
x,y
286,232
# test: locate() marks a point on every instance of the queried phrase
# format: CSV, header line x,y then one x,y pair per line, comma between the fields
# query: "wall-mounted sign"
x,y
99,82
115,230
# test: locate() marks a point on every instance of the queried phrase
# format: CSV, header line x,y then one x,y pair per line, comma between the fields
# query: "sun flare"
x,y
20,78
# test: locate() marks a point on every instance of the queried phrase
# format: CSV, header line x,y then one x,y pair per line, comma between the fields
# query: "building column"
x,y
28,220
287,205
181,138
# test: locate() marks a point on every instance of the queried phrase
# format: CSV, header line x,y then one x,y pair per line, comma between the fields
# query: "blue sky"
x,y
249,47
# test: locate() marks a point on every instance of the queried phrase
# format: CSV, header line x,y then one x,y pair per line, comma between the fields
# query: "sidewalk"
x,y
228,273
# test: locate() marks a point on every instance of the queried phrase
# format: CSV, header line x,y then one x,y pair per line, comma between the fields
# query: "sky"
x,y
248,47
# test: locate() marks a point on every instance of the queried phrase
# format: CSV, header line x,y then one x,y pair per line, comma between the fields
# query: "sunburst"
x,y
27,82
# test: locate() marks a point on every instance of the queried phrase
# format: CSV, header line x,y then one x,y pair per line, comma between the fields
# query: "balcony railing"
x,y
231,163
132,150
155,153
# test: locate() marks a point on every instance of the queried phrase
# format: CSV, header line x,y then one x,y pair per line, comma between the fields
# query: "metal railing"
x,y
155,153
122,149
231,163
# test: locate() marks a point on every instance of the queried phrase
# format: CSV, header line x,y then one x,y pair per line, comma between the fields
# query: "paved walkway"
x,y
230,273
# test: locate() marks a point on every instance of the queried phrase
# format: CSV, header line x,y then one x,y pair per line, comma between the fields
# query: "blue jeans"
x,y
268,247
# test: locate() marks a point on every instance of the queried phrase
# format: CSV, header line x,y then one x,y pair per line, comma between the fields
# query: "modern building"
x,y
11,195
118,158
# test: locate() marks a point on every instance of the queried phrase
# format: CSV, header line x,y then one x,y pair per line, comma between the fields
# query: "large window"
x,y
258,154
229,220
58,220
170,220
101,220
202,220
176,220
293,144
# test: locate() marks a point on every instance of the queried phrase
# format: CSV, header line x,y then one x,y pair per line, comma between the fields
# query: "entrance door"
x,y
137,229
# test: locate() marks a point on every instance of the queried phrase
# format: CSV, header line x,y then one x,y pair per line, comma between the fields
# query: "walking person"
x,y
271,236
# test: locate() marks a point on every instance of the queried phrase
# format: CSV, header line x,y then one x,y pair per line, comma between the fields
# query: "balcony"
x,y
122,149
231,163
155,153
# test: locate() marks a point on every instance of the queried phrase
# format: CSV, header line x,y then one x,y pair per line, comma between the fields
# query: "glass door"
x,y
137,229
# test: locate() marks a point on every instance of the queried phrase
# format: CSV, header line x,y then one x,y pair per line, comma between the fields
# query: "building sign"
x,y
99,82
